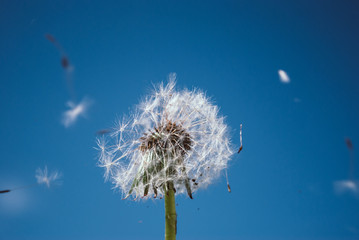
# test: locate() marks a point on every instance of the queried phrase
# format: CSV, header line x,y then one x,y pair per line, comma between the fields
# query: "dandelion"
x,y
174,142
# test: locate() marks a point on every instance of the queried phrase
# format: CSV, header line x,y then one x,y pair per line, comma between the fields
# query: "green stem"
x,y
171,216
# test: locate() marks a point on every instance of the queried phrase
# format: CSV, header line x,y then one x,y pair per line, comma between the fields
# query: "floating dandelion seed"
x,y
349,144
283,76
70,116
351,152
239,150
50,38
344,186
43,176
66,65
351,184
240,139
172,137
102,131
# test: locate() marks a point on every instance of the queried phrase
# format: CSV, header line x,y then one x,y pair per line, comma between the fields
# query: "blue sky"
x,y
293,135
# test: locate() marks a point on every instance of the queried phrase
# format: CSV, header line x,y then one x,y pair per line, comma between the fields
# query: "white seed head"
x,y
174,140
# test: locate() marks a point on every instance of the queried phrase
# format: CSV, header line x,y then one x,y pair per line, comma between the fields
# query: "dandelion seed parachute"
x,y
44,177
171,138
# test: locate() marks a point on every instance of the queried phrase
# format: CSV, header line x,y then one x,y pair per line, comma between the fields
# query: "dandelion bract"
x,y
173,139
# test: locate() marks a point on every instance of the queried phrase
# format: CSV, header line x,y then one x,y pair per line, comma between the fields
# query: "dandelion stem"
x,y
171,216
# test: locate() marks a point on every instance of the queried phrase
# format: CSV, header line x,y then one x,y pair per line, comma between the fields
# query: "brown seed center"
x,y
167,137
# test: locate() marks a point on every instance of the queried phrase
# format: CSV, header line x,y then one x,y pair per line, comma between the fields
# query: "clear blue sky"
x,y
282,182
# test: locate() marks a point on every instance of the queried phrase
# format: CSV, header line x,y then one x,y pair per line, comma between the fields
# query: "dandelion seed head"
x,y
173,137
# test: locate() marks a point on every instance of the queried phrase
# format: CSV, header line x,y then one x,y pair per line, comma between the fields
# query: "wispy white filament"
x,y
123,160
